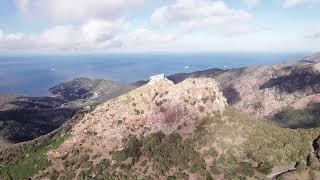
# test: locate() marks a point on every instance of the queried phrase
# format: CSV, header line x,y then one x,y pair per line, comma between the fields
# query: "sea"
x,y
34,74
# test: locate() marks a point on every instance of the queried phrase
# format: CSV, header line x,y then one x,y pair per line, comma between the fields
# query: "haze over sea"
x,y
33,75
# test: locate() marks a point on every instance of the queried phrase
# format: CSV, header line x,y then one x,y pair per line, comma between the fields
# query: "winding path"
x,y
281,170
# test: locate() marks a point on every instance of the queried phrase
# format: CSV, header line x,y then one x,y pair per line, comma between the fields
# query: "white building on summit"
x,y
156,78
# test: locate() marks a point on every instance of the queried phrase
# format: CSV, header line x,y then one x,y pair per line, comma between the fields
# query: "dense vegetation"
x,y
26,118
19,125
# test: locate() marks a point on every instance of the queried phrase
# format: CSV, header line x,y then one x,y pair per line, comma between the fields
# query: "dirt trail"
x,y
280,170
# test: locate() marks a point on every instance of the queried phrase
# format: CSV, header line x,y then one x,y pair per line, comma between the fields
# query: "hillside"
x,y
26,118
88,92
174,131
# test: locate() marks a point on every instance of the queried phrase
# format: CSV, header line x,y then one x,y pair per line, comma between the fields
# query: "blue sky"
x,y
159,25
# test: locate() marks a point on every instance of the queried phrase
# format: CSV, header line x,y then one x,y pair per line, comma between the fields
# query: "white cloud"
x,y
146,37
99,31
94,35
202,15
285,3
109,29
12,41
1,34
251,3
76,10
314,33
292,3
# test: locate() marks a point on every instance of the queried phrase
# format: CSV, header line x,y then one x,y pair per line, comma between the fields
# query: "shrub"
x,y
132,149
212,152
214,169
144,163
313,162
84,158
172,151
201,108
136,112
171,178
54,175
301,166
87,165
245,169
265,167
152,141
208,176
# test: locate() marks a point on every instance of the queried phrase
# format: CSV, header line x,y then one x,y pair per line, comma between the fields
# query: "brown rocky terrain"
x,y
160,106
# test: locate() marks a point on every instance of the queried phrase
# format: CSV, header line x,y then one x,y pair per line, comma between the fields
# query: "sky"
x,y
159,25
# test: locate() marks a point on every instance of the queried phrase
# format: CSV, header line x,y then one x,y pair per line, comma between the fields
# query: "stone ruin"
x,y
156,78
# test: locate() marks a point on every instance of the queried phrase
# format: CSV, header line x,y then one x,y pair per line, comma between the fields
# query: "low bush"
x,y
265,167
131,150
246,169
313,162
172,151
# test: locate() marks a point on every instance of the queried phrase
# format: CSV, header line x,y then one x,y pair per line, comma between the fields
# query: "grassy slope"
x,y
248,140
32,163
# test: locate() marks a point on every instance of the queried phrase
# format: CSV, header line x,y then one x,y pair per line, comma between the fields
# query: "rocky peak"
x,y
158,106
